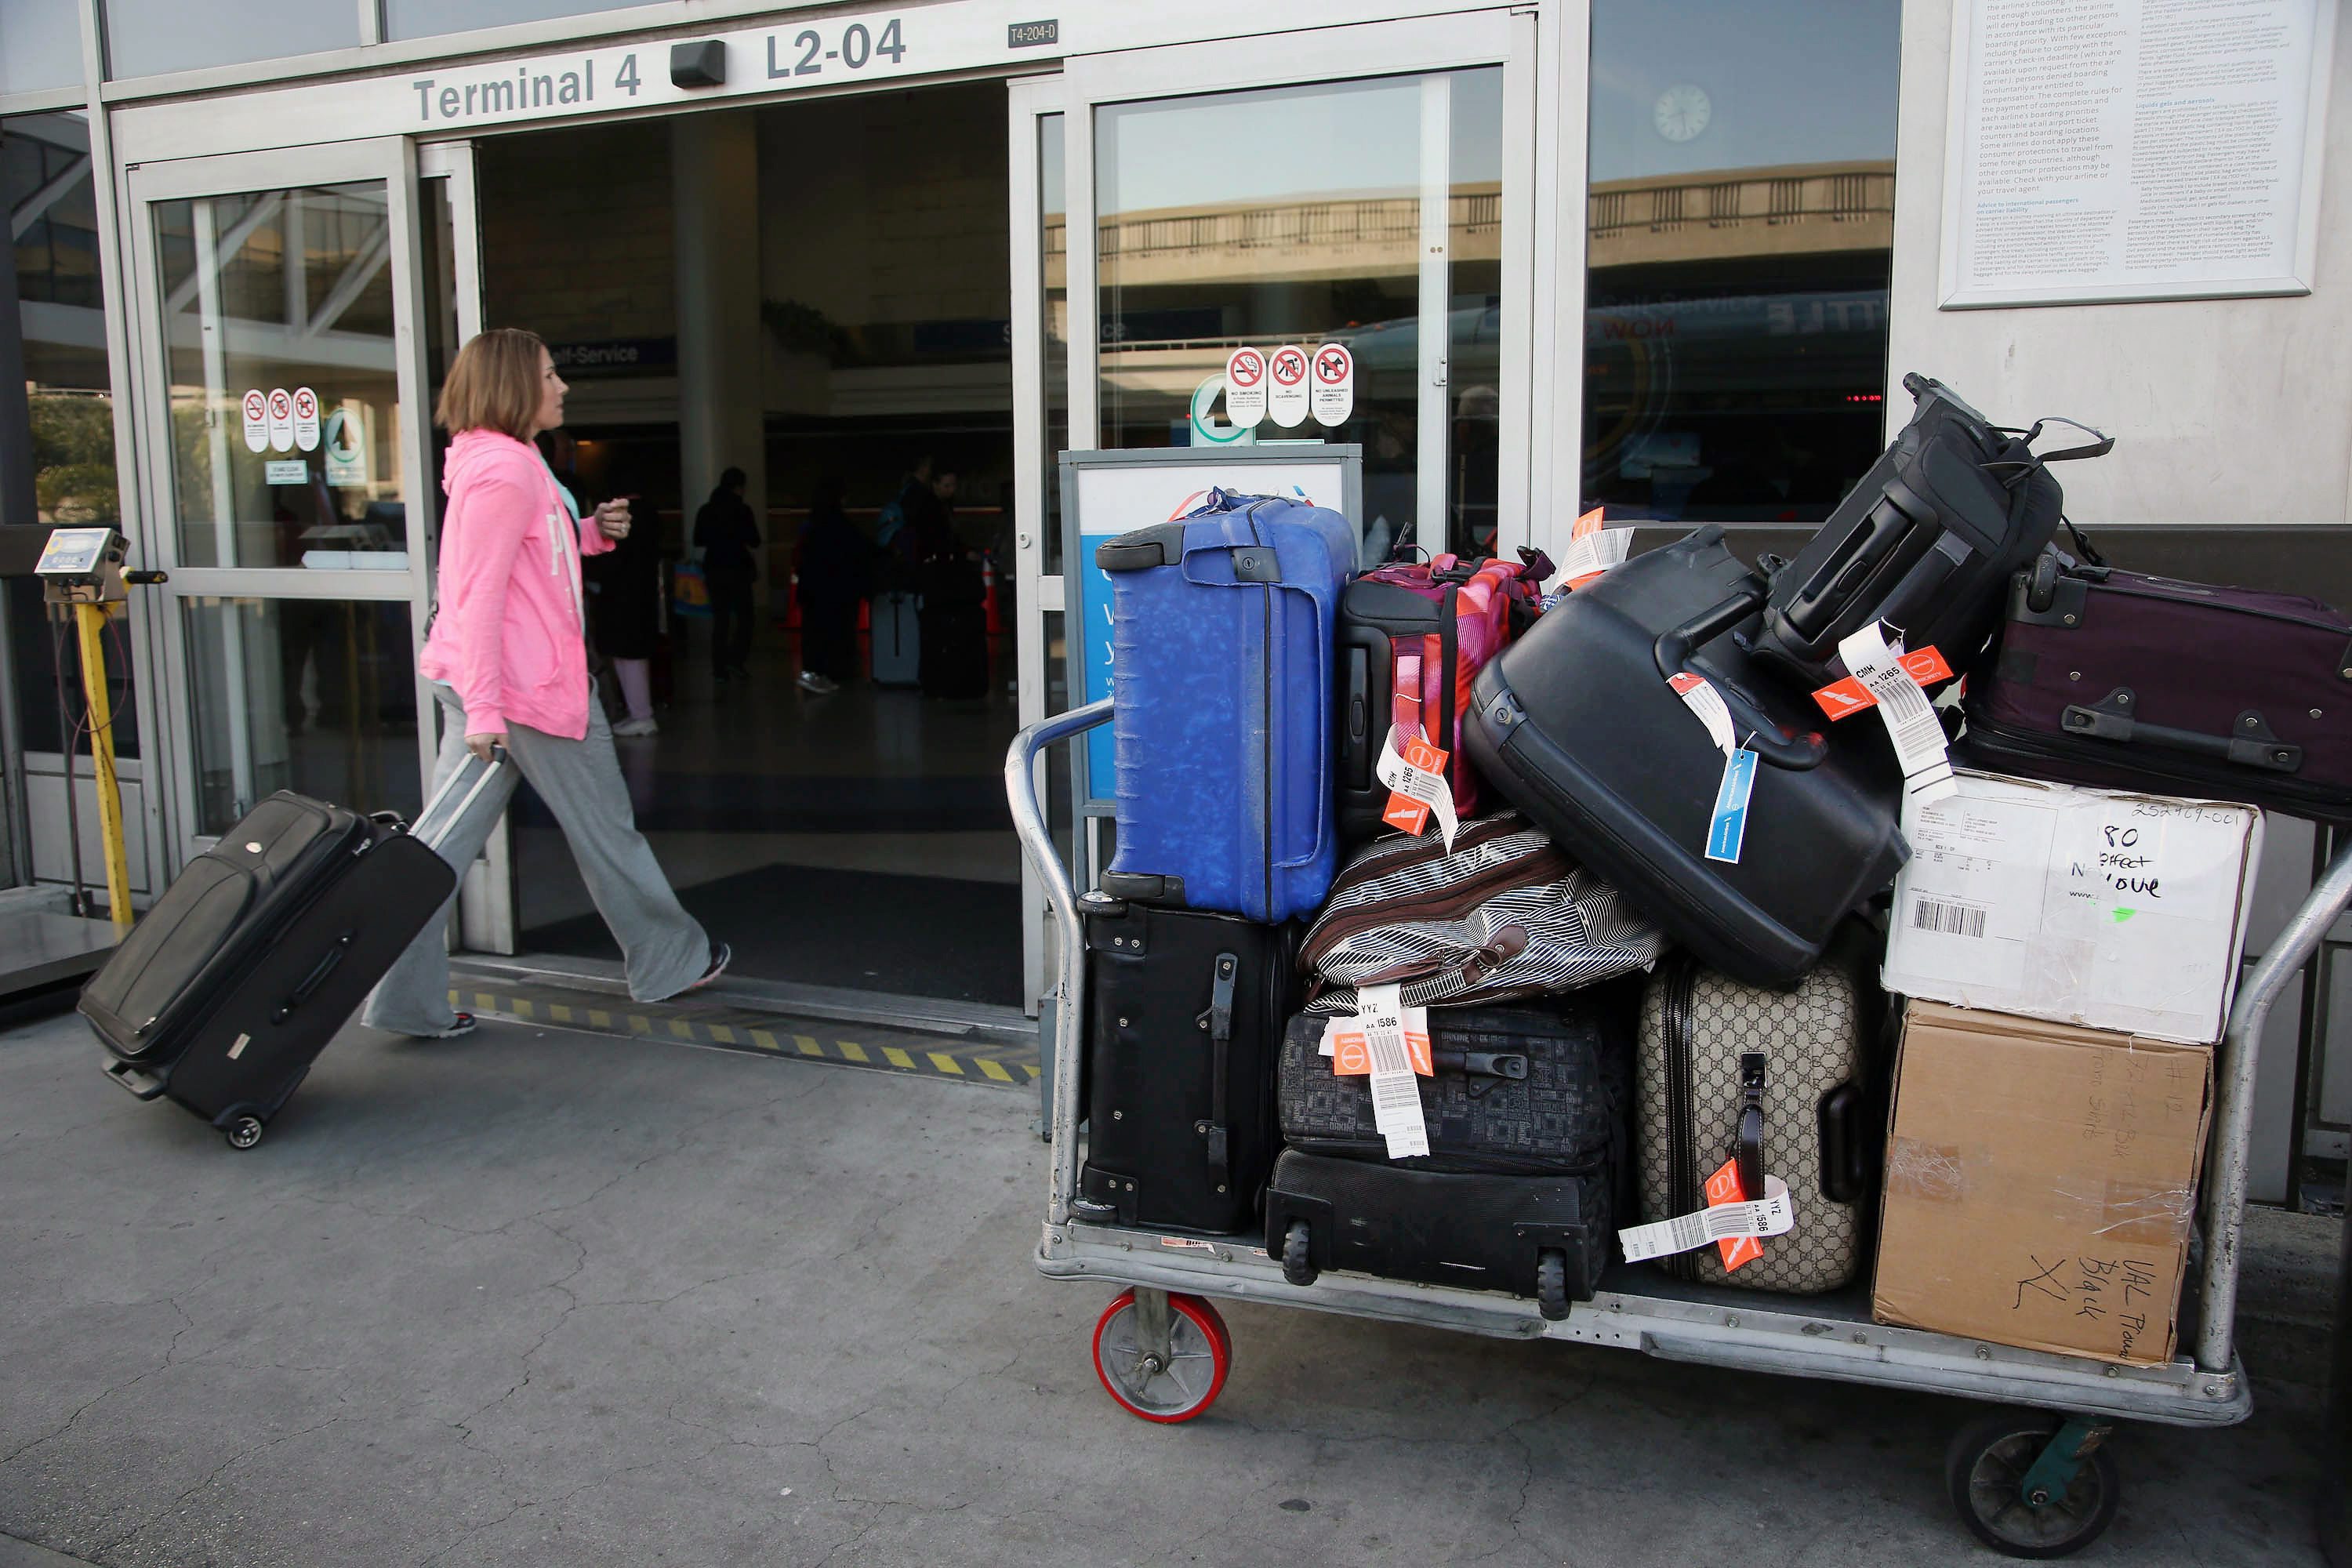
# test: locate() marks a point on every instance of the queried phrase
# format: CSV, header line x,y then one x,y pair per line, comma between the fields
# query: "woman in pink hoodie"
x,y
508,659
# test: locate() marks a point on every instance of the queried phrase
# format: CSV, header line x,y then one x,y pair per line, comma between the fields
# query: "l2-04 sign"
x,y
1245,387
1286,401
1335,384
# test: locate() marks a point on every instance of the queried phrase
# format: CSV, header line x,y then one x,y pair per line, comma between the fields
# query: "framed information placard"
x,y
2116,150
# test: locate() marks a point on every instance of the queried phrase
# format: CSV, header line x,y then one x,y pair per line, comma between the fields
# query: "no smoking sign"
x,y
1286,401
1334,385
1245,387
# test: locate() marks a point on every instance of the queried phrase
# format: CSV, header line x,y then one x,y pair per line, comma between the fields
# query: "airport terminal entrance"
x,y
787,333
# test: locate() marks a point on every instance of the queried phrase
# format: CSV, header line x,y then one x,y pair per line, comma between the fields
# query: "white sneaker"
x,y
810,680
645,726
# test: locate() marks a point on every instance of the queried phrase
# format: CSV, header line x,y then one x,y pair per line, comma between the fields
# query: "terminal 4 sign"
x,y
825,51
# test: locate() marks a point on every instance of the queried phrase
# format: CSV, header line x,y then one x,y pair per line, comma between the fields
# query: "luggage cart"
x,y
2033,1478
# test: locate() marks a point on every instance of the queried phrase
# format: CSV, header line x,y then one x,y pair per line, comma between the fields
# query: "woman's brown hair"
x,y
493,385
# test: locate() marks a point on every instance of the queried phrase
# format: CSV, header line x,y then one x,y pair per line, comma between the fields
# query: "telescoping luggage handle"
x,y
1754,730
432,840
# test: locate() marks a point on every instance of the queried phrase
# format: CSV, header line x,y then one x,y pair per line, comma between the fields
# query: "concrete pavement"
x,y
536,1296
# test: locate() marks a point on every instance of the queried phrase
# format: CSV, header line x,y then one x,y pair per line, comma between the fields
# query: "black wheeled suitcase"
x,y
1926,542
1184,1012
226,990
1577,723
1543,1237
1783,1083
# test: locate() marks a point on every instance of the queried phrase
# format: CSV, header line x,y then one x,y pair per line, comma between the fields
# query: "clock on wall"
x,y
1680,112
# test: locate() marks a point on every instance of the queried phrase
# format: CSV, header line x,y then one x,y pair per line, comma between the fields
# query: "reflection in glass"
x,y
46,186
269,295
312,695
1314,237
428,18
146,38
1053,250
1741,222
40,44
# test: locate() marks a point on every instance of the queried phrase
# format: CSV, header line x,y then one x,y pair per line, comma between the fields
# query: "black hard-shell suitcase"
x,y
1926,542
226,990
1577,724
1788,1084
1527,1090
1544,1236
1184,1012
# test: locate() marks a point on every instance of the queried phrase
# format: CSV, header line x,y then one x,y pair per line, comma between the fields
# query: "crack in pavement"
x,y
217,1471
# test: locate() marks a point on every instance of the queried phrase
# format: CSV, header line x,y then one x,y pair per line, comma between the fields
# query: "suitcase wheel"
x,y
2028,1483
1552,1283
1296,1265
1169,1375
243,1132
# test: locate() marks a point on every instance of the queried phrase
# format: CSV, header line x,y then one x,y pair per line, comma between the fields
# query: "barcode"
x,y
1392,1093
1952,920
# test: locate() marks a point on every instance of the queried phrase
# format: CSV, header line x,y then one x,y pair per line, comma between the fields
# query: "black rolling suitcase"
x,y
1544,1236
1579,725
1184,1012
228,988
1926,542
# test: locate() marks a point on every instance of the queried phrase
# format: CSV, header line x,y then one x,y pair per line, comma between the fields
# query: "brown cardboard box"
x,y
2040,1183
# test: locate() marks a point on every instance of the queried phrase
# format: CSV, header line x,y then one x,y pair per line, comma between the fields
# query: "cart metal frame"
x,y
1832,1338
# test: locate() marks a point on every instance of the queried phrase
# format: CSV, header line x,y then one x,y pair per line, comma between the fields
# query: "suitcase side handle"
x,y
2253,744
316,978
1672,650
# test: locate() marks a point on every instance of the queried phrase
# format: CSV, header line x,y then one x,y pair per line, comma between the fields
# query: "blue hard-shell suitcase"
x,y
1221,669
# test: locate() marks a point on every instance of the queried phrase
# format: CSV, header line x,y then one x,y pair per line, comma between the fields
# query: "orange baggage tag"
x,y
1425,775
1843,699
1723,1187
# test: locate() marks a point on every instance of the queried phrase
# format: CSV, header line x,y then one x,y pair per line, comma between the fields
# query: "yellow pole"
x,y
92,622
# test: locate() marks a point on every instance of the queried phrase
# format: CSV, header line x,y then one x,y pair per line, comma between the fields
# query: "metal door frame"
x,y
393,161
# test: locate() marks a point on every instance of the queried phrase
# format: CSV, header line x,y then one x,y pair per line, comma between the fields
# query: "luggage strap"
x,y
2098,445
1219,1021
1751,1124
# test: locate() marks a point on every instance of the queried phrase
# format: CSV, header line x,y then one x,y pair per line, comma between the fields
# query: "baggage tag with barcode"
x,y
1727,828
1395,1069
1911,721
1414,771
1774,1215
1592,550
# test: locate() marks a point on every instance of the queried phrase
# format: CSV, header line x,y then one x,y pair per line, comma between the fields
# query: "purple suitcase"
x,y
2121,679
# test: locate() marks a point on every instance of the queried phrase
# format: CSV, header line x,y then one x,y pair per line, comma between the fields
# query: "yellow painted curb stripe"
x,y
898,1058
991,1068
945,1063
853,1051
807,1046
681,1028
764,1040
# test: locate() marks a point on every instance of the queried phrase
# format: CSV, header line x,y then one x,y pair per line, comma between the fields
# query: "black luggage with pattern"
x,y
1527,1090
1787,1083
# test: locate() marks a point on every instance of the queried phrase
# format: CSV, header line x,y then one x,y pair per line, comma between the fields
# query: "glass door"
x,y
288,479
1366,186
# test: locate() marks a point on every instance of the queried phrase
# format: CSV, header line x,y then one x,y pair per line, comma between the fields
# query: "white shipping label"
x,y
1706,702
1774,1215
1417,783
1910,718
1396,1091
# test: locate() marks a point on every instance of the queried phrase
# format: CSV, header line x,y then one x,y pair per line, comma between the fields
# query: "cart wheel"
x,y
1199,1352
1985,1470
1552,1283
243,1132
1294,1265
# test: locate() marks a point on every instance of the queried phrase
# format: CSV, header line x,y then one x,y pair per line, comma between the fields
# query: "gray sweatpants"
x,y
581,781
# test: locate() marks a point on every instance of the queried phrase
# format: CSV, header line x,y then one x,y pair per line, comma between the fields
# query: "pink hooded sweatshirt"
x,y
510,634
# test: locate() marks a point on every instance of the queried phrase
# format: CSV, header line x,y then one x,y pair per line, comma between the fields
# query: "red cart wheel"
x,y
1170,1387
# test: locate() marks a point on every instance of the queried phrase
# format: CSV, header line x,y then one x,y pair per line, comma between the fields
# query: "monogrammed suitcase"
x,y
1780,1083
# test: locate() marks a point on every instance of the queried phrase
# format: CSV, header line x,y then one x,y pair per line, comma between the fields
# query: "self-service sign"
x,y
1287,400
1246,388
1334,396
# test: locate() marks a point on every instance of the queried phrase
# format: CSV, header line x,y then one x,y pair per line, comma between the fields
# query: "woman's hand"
x,y
612,518
486,745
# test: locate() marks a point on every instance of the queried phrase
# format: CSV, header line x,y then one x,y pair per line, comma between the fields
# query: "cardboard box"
x,y
2082,905
2040,1183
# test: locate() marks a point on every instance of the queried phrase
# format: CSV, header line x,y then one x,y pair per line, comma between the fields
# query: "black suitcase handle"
x,y
1672,650
316,978
2253,744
